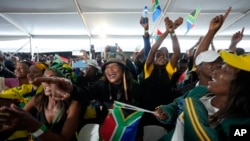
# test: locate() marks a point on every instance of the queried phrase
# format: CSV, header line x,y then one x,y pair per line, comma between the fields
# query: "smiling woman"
x,y
117,84
229,95
118,81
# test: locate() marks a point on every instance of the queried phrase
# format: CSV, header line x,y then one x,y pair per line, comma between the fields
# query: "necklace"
x,y
117,94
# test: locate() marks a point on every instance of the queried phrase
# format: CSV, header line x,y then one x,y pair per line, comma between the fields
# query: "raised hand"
x,y
169,25
237,37
178,22
217,21
144,25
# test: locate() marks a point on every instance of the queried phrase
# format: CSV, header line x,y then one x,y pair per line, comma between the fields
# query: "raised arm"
x,y
146,38
215,25
236,38
157,44
175,43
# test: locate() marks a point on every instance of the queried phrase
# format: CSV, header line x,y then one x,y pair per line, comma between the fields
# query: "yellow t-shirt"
x,y
169,69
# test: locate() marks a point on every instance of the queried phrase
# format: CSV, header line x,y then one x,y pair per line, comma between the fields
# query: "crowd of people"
x,y
197,96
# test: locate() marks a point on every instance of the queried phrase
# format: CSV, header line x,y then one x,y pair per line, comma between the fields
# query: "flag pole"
x,y
131,107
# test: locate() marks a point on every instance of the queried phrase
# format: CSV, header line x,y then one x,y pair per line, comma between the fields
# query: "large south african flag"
x,y
120,124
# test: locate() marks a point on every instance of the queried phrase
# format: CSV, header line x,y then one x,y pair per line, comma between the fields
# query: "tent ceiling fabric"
x,y
66,25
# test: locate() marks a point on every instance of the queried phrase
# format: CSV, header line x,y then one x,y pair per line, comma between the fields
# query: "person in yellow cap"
x,y
228,100
206,62
212,116
215,115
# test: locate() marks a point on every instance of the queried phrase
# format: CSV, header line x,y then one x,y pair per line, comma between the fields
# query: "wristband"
x,y
40,131
145,31
172,34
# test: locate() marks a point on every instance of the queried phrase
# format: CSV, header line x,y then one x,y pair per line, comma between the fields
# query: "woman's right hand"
x,y
160,114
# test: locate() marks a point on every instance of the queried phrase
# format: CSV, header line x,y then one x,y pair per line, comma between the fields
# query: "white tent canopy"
x,y
68,25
